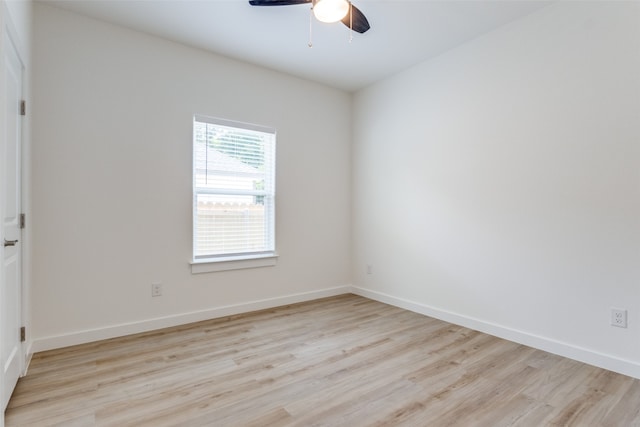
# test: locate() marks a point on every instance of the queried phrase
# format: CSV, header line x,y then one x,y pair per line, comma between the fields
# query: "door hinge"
x,y
23,334
23,220
23,108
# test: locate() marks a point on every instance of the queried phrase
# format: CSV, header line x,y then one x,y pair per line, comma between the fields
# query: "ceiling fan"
x,y
327,11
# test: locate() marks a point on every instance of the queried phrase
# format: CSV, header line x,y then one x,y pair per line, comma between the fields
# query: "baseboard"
x,y
91,335
622,366
611,363
28,354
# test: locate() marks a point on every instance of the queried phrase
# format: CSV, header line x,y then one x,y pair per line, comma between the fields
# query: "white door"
x,y
10,234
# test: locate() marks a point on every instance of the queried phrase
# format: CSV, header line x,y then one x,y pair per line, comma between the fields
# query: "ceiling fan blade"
x,y
360,23
277,2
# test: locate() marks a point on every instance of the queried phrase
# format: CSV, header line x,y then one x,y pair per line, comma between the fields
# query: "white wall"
x,y
497,185
112,181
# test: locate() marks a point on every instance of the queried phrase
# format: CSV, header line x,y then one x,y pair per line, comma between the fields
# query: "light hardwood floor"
x,y
341,361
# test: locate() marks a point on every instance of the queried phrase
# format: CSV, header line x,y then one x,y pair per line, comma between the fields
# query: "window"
x,y
233,191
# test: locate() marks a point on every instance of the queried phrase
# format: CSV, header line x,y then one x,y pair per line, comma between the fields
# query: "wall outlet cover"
x,y
156,289
619,317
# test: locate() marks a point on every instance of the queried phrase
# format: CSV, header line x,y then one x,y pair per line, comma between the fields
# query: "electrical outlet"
x,y
156,289
619,317
369,269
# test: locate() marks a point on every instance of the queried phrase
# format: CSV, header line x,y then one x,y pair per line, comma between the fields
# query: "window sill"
x,y
233,263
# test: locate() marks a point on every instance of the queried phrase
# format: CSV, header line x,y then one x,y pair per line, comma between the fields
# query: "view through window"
x,y
234,189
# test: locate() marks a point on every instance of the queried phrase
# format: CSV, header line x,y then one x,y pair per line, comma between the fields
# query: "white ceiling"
x,y
403,32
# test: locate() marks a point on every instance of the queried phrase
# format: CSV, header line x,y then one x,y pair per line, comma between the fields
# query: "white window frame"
x,y
233,261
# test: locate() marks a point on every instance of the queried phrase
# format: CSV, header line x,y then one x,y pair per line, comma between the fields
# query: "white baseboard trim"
x,y
91,335
28,354
611,363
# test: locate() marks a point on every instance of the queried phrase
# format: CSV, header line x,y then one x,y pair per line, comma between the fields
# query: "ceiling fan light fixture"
x,y
330,10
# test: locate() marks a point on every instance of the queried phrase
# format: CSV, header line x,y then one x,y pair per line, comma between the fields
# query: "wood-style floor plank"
x,y
341,361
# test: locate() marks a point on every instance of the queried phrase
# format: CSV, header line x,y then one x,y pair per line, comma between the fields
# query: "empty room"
x,y
320,212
